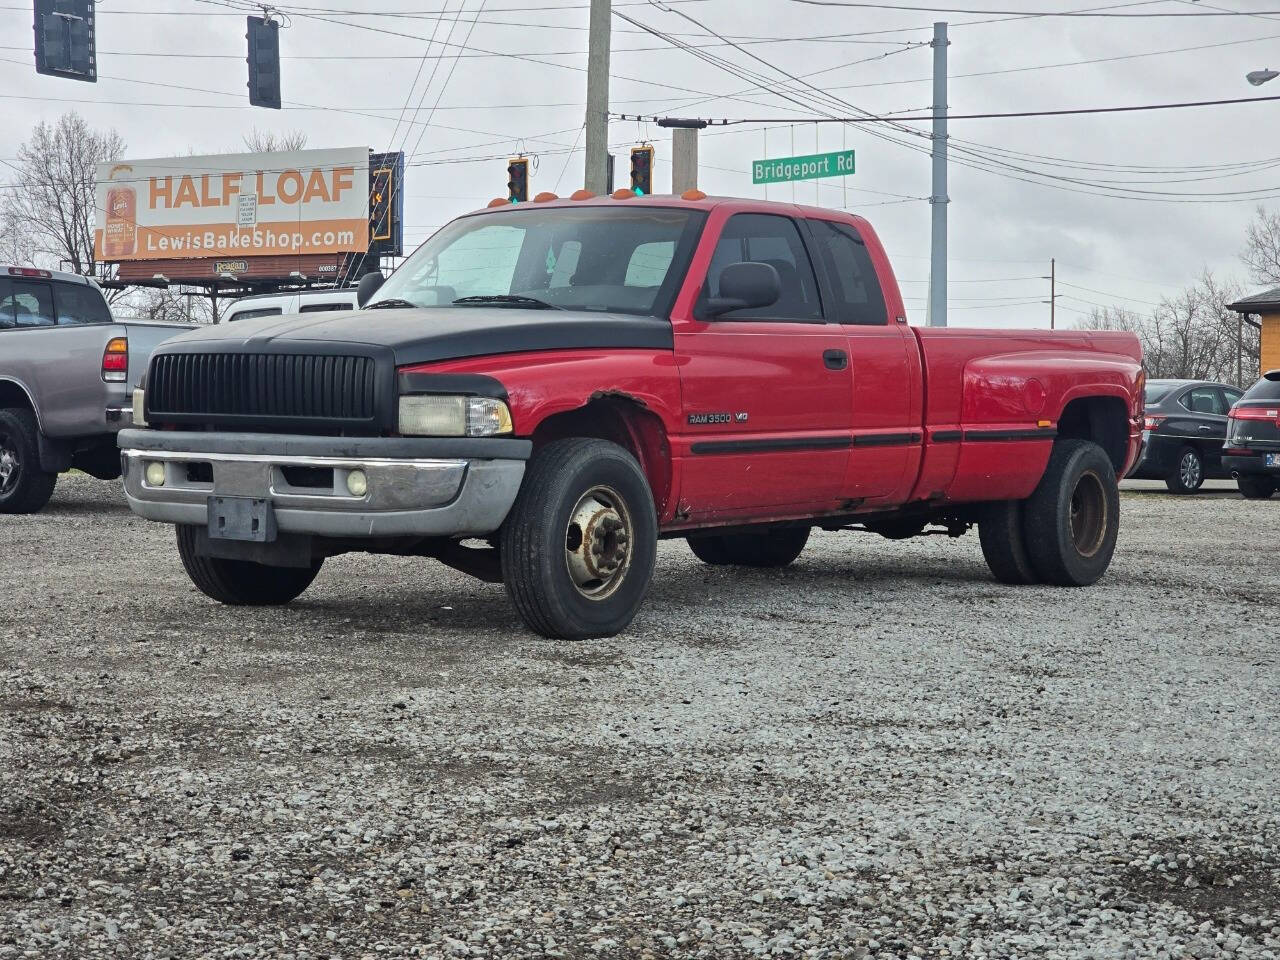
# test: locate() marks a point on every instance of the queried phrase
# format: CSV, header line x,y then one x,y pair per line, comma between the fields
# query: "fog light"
x,y
357,483
155,474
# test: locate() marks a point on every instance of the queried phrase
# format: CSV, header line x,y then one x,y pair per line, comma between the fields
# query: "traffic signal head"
x,y
264,62
380,192
642,171
65,39
518,180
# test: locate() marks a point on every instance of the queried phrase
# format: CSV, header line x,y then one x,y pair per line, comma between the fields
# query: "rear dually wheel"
x,y
1072,520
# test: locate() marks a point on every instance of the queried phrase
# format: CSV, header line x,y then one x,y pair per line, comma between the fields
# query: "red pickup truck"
x,y
543,391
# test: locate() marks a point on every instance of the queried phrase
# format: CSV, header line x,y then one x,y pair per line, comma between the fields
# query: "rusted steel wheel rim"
x,y
598,542
1089,514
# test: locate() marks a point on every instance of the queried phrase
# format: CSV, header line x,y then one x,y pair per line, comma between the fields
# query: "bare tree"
x,y
269,141
1261,254
48,220
1191,335
1112,318
174,304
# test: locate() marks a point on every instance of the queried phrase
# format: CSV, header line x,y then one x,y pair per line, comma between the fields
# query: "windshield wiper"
x,y
511,298
391,303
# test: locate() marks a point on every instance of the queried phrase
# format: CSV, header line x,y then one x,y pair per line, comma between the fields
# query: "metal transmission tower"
x,y
939,199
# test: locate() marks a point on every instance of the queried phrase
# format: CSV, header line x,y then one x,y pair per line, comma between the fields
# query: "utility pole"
x,y
1053,291
684,152
596,175
938,200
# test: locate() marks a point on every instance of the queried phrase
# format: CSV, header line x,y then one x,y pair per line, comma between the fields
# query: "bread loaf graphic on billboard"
x,y
120,229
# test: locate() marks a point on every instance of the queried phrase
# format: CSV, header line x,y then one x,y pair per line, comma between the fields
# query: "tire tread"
x,y
239,583
525,572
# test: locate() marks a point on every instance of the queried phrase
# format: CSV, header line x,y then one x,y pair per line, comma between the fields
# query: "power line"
x,y
1105,293
1064,63
868,4
1077,111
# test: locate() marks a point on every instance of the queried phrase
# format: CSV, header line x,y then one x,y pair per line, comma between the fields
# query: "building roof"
x,y
1266,300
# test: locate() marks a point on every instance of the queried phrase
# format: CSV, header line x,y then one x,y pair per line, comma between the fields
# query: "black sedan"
x,y
1252,452
1183,430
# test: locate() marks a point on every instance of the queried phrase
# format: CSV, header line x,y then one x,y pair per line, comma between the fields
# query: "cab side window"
x,y
33,304
775,240
1232,397
858,297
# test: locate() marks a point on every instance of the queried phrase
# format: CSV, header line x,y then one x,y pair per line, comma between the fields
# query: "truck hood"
x,y
430,334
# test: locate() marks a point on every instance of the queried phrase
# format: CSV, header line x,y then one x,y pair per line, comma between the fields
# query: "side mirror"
x,y
744,285
368,286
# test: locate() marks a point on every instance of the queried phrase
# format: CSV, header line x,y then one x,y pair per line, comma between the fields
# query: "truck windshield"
x,y
616,259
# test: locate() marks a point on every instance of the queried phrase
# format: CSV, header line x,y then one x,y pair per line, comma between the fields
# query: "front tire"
x,y
1188,473
1002,532
242,583
579,545
1072,520
24,487
1256,488
773,548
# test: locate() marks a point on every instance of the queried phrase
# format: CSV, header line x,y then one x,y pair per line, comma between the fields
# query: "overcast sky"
x,y
1003,231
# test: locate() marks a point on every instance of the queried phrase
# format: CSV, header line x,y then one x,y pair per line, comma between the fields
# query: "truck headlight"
x,y
139,407
428,415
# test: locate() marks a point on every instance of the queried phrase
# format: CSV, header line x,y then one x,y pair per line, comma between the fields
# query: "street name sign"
x,y
812,167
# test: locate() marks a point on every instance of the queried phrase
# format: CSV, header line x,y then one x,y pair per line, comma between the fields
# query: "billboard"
x,y
233,206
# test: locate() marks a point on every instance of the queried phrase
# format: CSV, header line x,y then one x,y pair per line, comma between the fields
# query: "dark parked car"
x,y
1183,430
1252,451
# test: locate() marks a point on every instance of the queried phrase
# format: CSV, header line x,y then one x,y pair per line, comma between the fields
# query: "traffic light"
x,y
380,190
264,62
66,44
386,204
642,171
518,180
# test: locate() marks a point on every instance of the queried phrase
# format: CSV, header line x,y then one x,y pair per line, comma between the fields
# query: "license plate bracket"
x,y
248,519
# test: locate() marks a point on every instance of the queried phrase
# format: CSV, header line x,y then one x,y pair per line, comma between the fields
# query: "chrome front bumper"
x,y
415,487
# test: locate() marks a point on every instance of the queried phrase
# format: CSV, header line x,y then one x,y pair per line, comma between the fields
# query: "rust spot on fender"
x,y
617,395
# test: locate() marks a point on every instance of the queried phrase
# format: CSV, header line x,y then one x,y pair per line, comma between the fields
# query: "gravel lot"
x,y
877,752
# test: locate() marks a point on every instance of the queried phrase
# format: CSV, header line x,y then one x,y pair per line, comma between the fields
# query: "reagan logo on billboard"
x,y
302,202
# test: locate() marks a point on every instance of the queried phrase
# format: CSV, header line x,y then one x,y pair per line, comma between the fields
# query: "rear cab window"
x,y
858,298
29,303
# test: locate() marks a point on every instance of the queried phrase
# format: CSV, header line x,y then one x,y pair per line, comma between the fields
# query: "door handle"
x,y
1205,426
835,359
